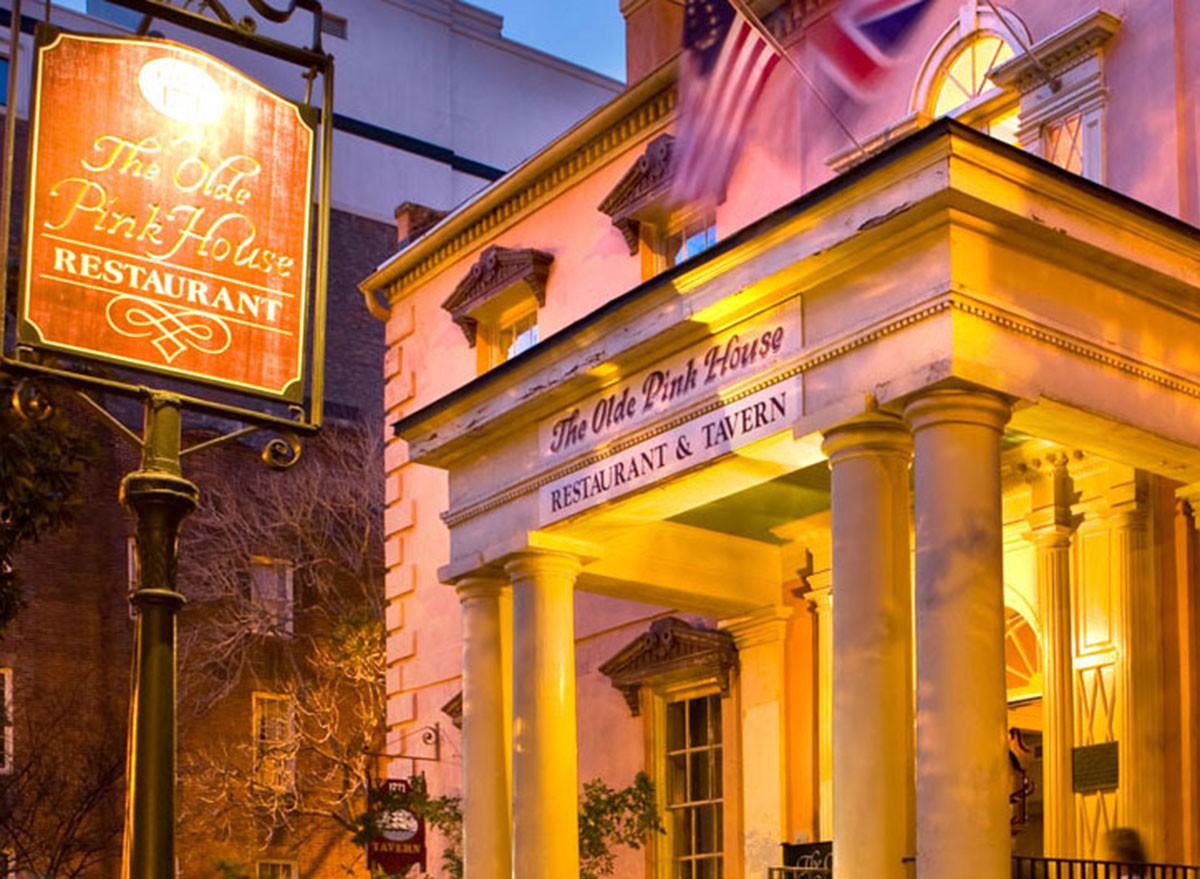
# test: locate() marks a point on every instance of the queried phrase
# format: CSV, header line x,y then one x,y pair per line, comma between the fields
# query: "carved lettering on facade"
x,y
712,432
750,349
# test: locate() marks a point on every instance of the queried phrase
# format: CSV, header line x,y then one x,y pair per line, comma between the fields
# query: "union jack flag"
x,y
725,63
861,38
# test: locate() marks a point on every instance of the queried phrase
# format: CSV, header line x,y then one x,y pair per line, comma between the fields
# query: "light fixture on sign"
x,y
181,91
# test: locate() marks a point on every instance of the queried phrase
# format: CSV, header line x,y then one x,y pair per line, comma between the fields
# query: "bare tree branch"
x,y
325,519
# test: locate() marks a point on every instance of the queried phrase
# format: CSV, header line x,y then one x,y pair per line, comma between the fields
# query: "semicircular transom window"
x,y
964,81
1022,657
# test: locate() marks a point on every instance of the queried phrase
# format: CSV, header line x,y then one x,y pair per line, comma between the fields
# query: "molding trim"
x,y
1060,51
454,709
498,269
943,303
641,194
656,110
670,652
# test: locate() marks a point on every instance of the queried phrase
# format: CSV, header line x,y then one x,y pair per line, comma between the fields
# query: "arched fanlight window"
x,y
963,84
954,77
1022,657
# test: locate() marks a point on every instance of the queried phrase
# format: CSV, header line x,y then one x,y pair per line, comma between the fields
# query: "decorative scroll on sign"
x,y
169,209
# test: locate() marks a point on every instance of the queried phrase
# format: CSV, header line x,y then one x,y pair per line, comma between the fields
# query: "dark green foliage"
x,y
227,869
40,466
611,818
608,819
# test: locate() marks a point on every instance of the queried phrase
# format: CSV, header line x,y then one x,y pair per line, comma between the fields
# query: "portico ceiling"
x,y
753,512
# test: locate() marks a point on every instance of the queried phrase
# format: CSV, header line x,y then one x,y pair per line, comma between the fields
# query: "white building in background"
x,y
432,102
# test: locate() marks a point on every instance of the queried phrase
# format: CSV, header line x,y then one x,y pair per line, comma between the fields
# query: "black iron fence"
x,y
1039,868
1072,868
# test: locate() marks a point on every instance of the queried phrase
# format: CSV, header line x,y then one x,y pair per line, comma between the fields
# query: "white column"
x,y
1141,736
486,803
762,692
820,600
545,765
1051,527
1189,661
962,765
873,804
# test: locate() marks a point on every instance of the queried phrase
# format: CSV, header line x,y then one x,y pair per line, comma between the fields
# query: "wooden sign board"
x,y
168,215
401,842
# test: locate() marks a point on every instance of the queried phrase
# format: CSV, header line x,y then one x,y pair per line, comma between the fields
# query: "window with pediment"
x,y
496,304
651,224
678,677
1062,96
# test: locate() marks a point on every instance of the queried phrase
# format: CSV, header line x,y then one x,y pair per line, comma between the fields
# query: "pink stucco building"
x,y
856,508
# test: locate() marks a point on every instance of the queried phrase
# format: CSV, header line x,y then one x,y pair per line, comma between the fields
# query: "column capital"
x,y
1190,495
481,586
957,406
1051,521
767,625
535,562
820,599
875,433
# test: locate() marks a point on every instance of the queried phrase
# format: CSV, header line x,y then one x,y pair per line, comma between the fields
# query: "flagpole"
x,y
756,23
1051,80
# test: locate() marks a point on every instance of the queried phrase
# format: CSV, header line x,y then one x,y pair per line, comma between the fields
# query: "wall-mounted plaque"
x,y
1095,767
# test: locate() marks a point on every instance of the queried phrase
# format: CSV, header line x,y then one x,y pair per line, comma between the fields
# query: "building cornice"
x,y
642,109
899,193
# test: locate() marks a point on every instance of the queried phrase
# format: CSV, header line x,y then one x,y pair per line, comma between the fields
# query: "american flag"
x,y
723,68
861,38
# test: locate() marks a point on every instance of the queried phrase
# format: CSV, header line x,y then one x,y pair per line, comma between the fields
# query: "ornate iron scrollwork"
x,y
30,403
281,452
214,17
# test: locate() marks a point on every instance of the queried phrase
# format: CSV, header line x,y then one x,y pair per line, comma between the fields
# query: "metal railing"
x,y
1040,868
1073,868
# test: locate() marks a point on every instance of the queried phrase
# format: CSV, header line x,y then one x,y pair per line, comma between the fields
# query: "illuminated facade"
x,y
871,521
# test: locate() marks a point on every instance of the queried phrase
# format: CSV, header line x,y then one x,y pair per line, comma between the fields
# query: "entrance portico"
x,y
952,301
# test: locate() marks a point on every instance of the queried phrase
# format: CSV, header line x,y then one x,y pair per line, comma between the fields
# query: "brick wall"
x,y
72,642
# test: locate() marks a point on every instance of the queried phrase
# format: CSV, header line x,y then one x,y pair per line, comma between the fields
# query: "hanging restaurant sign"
x,y
400,841
168,216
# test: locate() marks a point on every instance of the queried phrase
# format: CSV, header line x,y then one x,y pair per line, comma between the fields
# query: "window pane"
x,y
701,789
706,830
519,336
694,785
697,722
966,76
675,737
682,833
694,238
677,779
1064,144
